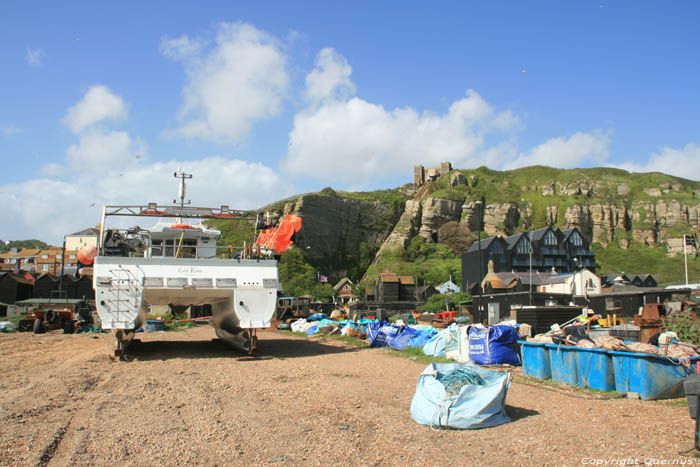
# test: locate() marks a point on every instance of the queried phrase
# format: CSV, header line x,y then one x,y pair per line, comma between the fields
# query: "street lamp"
x,y
479,204
481,260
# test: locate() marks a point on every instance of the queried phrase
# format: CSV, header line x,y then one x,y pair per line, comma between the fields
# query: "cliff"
x,y
343,233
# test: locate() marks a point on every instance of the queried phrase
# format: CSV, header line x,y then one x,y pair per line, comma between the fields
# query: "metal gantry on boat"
x,y
180,264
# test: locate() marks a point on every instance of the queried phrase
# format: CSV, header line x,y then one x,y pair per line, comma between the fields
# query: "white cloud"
x,y
53,169
684,162
361,141
100,150
241,80
99,103
34,57
578,149
330,78
10,130
31,206
180,48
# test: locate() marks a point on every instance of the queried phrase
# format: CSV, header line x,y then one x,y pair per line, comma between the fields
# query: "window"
x,y
576,239
59,256
45,256
522,247
72,256
550,239
157,248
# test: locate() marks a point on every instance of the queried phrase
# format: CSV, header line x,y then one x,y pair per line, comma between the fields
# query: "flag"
x,y
689,241
322,278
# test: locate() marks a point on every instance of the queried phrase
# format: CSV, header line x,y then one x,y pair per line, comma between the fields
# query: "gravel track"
x,y
185,400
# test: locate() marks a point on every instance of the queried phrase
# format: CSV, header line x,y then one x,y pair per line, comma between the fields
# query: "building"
x,y
387,286
543,250
421,175
448,287
344,292
51,261
19,259
86,237
15,287
423,293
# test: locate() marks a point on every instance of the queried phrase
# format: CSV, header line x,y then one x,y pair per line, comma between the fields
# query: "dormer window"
x,y
522,247
576,239
550,239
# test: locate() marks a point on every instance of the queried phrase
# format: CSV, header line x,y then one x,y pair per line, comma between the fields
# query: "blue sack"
x,y
402,340
493,346
372,328
312,330
436,345
385,334
460,396
420,338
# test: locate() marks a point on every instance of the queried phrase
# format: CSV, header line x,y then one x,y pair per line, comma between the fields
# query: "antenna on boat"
x,y
182,191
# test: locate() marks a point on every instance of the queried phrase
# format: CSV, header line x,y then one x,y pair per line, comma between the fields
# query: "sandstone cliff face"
x,y
409,224
436,212
647,221
333,225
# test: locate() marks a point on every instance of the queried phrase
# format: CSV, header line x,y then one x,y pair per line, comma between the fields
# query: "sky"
x,y
101,102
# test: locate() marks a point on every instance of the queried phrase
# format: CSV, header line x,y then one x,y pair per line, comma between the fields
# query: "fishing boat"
x,y
182,264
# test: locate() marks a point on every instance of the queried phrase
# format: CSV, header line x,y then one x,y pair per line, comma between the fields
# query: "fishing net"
x,y
456,379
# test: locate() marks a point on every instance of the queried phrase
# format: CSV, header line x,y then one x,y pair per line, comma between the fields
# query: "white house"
x,y
447,287
582,282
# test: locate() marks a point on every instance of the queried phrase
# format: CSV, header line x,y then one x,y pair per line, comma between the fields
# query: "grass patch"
x,y
680,402
413,353
15,319
416,354
638,258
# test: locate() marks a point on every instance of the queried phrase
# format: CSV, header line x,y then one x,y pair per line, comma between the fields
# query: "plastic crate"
x,y
564,362
535,357
155,325
651,376
595,369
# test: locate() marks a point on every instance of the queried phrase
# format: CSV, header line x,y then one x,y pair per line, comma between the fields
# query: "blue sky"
x,y
101,102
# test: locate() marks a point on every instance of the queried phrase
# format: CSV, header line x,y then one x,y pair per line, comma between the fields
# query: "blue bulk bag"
x,y
493,346
372,329
385,334
317,317
420,338
402,339
436,345
312,330
443,400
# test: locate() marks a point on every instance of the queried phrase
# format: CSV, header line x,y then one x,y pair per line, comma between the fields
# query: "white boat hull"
x,y
242,293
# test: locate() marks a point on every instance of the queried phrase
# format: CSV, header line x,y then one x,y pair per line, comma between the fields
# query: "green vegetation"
x,y
437,301
233,232
429,263
684,324
170,325
23,244
640,259
297,276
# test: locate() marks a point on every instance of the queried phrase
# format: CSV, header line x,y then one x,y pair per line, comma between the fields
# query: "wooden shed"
x,y
14,287
70,286
85,289
45,286
388,287
407,289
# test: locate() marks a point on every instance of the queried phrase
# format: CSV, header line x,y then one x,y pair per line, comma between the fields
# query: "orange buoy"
x,y
86,255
